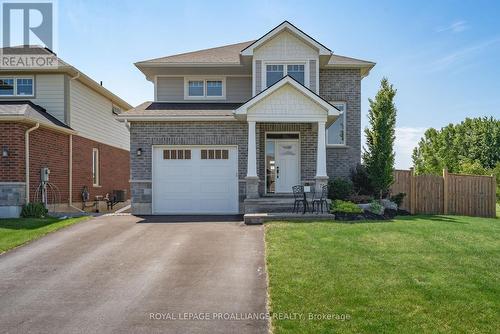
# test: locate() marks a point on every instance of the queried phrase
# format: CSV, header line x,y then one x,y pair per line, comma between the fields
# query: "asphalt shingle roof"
x,y
29,110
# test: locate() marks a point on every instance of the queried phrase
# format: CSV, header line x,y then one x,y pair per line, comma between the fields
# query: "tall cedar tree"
x,y
378,155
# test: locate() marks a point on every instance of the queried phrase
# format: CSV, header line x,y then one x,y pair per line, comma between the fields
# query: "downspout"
x,y
27,159
70,179
71,175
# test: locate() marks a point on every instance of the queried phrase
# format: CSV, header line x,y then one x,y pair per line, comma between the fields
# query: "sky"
x,y
441,56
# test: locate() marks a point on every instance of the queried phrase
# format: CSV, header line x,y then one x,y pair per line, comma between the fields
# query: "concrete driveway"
x,y
117,274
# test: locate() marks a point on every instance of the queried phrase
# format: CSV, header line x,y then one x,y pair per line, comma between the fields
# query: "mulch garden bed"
x,y
387,215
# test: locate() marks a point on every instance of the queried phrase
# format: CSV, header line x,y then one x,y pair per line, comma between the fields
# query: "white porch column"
x,y
252,151
321,176
252,180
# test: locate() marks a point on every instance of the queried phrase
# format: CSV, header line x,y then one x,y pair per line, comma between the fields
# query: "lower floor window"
x,y
335,133
177,154
214,154
95,167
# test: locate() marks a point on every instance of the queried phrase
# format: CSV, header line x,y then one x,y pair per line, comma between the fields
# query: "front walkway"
x,y
112,274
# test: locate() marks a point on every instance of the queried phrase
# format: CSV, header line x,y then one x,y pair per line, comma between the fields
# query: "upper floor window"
x,y
296,72
276,71
214,87
273,74
196,88
336,132
14,86
204,88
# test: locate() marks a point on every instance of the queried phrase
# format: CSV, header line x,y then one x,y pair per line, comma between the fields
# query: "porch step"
x,y
269,204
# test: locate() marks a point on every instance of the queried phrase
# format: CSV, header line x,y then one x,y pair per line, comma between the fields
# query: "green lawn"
x,y
423,274
15,232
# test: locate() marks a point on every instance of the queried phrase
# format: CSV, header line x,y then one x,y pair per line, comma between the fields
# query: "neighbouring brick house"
x,y
60,119
244,122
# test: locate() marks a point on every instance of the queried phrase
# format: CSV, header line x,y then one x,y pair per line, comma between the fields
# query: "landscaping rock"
x,y
388,204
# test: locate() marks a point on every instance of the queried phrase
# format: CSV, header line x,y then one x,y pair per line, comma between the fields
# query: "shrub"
x,y
398,199
339,206
34,210
360,199
376,208
339,188
360,181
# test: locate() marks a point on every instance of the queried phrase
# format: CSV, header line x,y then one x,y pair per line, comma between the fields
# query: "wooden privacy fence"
x,y
458,194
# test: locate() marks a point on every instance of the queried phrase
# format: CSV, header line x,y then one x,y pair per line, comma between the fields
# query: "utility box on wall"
x,y
44,174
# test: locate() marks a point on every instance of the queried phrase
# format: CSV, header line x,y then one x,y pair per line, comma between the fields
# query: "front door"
x,y
282,165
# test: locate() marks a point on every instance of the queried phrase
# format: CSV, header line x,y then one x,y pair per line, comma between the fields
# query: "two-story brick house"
x,y
244,121
61,119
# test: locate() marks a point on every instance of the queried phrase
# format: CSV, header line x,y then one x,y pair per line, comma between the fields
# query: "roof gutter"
x,y
23,119
140,118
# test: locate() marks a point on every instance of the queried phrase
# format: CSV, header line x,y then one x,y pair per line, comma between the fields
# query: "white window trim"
x,y
15,85
97,171
285,69
344,114
204,79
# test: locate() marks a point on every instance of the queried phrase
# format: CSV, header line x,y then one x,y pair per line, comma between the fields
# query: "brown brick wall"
x,y
114,166
49,149
12,167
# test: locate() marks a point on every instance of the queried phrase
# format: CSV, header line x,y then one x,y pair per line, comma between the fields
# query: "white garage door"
x,y
195,180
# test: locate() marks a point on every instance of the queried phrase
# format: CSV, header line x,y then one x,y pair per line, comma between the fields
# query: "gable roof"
x,y
234,54
222,55
28,111
62,67
332,110
285,25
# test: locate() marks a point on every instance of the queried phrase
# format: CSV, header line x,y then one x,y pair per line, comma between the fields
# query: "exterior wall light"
x,y
139,152
5,152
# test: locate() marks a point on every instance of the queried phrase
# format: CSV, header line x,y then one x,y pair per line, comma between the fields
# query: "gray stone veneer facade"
x,y
334,85
343,85
12,198
145,134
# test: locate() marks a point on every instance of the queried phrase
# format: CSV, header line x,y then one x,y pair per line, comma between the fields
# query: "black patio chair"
x,y
300,197
322,199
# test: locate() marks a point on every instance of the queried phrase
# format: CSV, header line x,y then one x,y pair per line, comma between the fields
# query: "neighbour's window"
x,y
95,167
24,86
335,134
177,154
296,72
16,86
214,87
214,154
6,86
196,88
273,74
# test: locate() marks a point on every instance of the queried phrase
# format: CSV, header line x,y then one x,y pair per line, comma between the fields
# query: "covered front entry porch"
x,y
285,155
286,138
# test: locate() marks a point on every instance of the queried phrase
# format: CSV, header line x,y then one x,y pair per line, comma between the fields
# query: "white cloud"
x,y
455,27
407,139
460,56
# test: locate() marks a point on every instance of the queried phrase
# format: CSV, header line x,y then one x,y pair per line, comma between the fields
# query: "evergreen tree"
x,y
378,156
